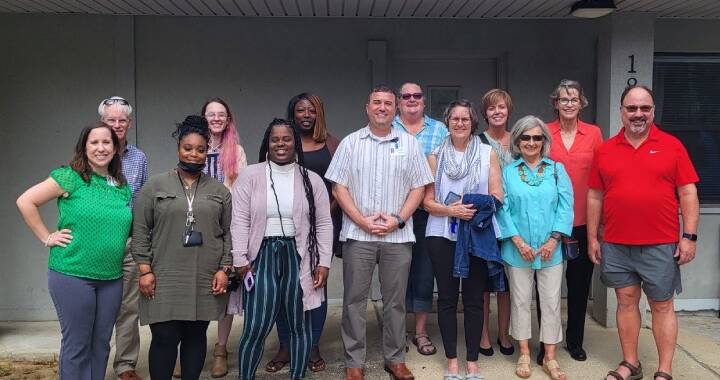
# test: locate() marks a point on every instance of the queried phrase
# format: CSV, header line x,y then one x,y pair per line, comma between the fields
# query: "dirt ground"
x,y
25,370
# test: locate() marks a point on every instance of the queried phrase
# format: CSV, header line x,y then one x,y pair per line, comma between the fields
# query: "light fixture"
x,y
592,8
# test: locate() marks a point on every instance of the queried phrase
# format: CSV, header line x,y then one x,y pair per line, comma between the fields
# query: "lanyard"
x,y
190,199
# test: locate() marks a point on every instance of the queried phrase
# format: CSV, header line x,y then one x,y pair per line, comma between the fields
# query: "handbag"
x,y
570,247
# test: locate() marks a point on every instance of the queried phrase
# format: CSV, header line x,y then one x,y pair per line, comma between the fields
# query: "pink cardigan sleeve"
x,y
240,225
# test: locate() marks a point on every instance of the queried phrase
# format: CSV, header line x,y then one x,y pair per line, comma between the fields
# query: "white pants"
x,y
521,291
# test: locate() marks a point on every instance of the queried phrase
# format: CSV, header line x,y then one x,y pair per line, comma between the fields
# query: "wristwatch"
x,y
556,235
691,237
401,222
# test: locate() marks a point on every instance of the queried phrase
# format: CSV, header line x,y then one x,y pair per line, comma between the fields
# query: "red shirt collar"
x,y
582,127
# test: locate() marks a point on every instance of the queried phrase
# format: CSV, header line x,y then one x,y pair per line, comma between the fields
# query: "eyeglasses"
x,y
633,108
460,120
416,96
566,101
115,100
218,115
536,138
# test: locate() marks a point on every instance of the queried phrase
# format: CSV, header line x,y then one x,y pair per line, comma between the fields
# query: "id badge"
x,y
192,238
397,151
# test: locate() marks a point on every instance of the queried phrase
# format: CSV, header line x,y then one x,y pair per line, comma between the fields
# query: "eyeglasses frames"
x,y
634,108
566,101
536,138
416,96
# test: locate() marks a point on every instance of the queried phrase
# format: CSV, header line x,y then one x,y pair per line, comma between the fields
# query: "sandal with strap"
x,y
522,370
474,376
452,376
275,365
426,348
552,368
635,372
317,365
662,374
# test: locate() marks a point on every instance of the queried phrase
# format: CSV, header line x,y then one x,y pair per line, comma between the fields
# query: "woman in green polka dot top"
x,y
86,250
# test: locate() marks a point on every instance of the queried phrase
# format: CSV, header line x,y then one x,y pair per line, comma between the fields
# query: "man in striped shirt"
x,y
117,113
379,175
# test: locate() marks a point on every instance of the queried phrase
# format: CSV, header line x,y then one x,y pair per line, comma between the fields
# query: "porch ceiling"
x,y
421,9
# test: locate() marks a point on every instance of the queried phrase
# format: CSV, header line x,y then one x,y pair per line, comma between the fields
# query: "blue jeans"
x,y
421,283
86,310
317,315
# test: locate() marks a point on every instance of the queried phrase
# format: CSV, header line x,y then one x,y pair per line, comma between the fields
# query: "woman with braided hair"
x,y
282,234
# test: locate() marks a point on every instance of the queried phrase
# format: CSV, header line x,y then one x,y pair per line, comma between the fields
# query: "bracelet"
x,y
47,240
149,272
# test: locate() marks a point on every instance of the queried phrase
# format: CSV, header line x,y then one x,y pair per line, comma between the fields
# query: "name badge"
x,y
397,151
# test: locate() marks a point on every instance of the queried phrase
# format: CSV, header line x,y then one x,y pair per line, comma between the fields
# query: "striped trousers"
x,y
277,290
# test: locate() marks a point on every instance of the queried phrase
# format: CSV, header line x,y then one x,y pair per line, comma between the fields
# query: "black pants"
x,y
441,253
578,276
191,335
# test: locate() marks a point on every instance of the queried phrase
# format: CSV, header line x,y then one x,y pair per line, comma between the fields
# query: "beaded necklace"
x,y
537,179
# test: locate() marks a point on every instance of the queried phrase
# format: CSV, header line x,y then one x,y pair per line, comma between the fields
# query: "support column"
x,y
625,57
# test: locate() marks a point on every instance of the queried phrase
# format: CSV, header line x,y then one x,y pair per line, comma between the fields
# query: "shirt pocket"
x,y
163,200
215,208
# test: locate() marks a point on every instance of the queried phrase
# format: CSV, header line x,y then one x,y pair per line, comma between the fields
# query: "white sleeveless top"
x,y
440,226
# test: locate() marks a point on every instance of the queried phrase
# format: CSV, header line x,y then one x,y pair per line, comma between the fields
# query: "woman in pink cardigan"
x,y
282,235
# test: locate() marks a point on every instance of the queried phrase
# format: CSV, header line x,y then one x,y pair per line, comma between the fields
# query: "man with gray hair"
x,y
117,113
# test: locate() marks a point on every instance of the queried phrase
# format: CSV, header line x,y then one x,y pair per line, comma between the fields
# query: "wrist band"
x,y
47,240
146,273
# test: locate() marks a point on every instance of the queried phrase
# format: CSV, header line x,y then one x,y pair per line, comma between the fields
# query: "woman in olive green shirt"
x,y
87,249
181,243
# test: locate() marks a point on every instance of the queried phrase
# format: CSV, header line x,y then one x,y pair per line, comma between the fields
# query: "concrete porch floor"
x,y
697,355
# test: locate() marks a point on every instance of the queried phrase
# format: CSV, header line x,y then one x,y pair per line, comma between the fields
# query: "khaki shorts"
x,y
651,266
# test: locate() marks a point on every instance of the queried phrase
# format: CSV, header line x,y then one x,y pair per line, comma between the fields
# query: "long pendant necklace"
x,y
533,181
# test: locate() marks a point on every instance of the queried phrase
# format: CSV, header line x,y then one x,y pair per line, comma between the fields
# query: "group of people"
x,y
428,202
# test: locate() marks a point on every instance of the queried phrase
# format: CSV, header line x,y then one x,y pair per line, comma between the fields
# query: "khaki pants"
x,y
127,333
521,290
359,260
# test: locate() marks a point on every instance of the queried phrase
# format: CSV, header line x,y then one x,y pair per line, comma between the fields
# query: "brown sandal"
x,y
522,369
662,374
428,348
635,372
275,365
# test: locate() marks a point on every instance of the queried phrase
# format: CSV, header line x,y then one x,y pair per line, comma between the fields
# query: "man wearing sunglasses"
x,y
430,133
637,181
117,113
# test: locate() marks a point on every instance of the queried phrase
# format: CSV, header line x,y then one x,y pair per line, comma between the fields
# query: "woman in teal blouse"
x,y
537,212
86,250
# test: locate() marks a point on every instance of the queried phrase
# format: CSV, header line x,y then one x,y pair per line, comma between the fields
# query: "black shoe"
x,y
487,351
577,353
540,355
506,350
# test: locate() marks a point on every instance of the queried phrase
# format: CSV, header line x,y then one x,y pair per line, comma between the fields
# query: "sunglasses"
x,y
632,109
116,100
416,96
536,138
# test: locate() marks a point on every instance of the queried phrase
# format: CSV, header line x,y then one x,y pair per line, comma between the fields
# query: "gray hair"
x,y
567,85
115,101
523,125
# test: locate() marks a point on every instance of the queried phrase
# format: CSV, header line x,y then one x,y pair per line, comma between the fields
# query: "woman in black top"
x,y
307,114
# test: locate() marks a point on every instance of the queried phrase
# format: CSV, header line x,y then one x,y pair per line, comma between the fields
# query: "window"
x,y
687,99
439,98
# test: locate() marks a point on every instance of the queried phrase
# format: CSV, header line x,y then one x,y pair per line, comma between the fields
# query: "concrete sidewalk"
x,y
697,356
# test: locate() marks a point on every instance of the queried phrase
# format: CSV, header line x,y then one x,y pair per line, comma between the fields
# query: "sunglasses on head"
x,y
536,138
117,100
416,96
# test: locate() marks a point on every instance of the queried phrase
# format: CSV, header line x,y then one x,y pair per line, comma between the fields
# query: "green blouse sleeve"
x,y
68,179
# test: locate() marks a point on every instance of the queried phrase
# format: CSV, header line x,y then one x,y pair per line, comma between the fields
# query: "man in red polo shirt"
x,y
636,182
